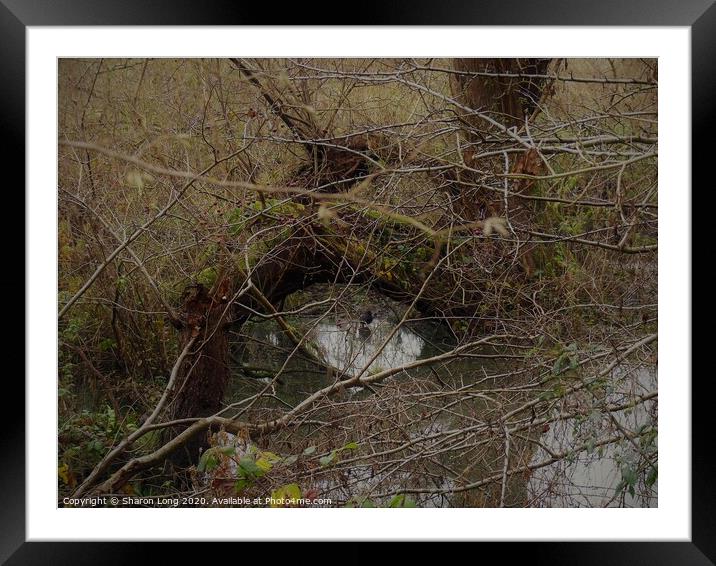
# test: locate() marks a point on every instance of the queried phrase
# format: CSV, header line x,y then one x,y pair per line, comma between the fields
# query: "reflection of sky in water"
x,y
590,479
351,347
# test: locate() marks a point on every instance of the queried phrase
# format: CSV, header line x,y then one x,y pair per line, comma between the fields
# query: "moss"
x,y
374,214
208,254
277,206
239,218
207,277
281,236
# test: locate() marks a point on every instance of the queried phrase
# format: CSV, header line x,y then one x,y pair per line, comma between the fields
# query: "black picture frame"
x,y
17,15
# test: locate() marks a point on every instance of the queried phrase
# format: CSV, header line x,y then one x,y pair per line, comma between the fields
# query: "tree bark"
x,y
204,375
500,86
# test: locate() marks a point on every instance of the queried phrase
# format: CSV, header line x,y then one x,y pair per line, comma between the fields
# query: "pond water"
x,y
588,478
343,342
351,346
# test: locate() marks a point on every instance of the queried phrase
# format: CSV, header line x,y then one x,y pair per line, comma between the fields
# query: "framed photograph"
x,y
289,282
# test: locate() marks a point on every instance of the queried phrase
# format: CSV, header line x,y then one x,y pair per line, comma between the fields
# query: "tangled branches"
x,y
374,282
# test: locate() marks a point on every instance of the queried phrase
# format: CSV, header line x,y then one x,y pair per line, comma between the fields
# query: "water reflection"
x,y
351,347
348,347
587,478
590,478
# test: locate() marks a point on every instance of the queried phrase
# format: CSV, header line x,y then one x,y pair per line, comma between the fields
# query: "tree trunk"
x,y
507,97
204,375
509,91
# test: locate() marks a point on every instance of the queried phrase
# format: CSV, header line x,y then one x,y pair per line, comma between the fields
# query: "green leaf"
x,y
310,450
652,476
249,468
64,472
270,456
546,395
207,276
328,460
401,500
122,284
350,446
107,344
285,494
629,476
590,445
208,461
557,367
266,460
290,460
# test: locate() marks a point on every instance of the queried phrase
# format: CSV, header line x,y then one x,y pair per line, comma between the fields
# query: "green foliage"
x,y
401,500
240,218
639,472
248,466
568,359
647,437
236,220
248,470
211,458
107,344
266,460
334,456
285,495
329,459
79,323
84,439
208,253
628,481
207,277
